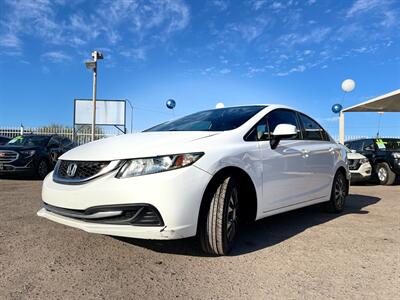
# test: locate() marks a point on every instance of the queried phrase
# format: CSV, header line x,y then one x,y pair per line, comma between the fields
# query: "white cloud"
x,y
140,21
225,71
138,53
10,40
221,4
381,9
257,4
249,31
360,6
317,35
297,69
215,71
277,5
56,56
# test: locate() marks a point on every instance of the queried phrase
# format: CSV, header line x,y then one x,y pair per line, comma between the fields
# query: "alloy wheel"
x,y
340,191
232,216
382,174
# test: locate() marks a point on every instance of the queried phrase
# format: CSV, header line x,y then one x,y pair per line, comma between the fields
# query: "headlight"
x,y
151,165
28,153
396,155
364,160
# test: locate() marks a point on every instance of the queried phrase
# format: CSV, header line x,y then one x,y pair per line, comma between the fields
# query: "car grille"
x,y
354,164
7,156
84,169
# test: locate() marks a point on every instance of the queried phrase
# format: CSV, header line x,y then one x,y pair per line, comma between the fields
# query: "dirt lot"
x,y
301,254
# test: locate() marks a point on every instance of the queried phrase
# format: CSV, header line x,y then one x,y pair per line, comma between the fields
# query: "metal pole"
x,y
130,104
341,127
94,94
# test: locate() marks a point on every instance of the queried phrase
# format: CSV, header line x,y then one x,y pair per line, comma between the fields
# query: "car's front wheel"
x,y
220,225
385,175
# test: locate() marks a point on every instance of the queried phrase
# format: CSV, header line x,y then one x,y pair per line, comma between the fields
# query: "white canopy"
x,y
389,102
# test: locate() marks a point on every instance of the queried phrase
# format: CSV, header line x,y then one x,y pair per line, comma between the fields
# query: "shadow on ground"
x,y
264,233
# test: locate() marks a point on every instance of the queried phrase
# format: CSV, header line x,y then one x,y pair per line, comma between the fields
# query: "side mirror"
x,y
282,131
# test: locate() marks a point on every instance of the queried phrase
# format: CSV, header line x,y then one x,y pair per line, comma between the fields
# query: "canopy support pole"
x,y
341,127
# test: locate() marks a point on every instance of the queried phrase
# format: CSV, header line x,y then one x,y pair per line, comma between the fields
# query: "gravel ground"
x,y
301,254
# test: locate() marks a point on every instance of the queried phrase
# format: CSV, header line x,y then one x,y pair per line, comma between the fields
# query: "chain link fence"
x,y
81,136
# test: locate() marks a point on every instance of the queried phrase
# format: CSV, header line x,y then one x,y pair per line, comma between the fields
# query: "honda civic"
x,y
200,175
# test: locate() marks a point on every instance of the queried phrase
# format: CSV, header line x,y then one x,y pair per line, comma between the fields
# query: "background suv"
x,y
383,154
32,154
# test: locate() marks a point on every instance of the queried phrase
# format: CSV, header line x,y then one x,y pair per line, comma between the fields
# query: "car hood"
x,y
355,156
144,144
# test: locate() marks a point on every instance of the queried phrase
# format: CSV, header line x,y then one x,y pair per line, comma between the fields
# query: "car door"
x,y
321,157
367,148
285,173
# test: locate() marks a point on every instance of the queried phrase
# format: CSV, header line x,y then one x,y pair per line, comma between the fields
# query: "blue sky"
x,y
199,53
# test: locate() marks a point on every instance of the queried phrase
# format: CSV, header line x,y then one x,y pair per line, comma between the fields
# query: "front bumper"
x,y
12,168
176,195
363,173
396,166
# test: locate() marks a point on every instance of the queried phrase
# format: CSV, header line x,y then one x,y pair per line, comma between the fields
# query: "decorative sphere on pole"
x,y
220,105
170,103
336,108
348,85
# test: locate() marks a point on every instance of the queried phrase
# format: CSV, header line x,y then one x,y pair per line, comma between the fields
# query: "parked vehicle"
x,y
359,166
383,154
32,154
4,140
202,174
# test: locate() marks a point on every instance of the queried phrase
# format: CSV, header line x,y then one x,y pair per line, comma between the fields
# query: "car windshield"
x,y
221,119
388,144
30,140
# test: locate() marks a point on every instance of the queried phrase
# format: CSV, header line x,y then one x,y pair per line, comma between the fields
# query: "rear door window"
x,y
311,129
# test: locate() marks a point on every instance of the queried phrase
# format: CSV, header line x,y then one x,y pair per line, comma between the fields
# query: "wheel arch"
x,y
246,188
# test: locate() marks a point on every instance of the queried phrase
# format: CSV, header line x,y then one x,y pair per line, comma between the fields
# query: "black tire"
x,y
42,169
220,225
385,175
339,193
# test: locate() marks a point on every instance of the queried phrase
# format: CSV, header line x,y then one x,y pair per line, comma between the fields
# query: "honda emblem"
x,y
71,169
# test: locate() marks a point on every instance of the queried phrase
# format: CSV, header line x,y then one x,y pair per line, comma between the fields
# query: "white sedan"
x,y
202,174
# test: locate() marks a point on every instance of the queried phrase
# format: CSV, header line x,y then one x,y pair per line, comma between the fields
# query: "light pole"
x,y
93,65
